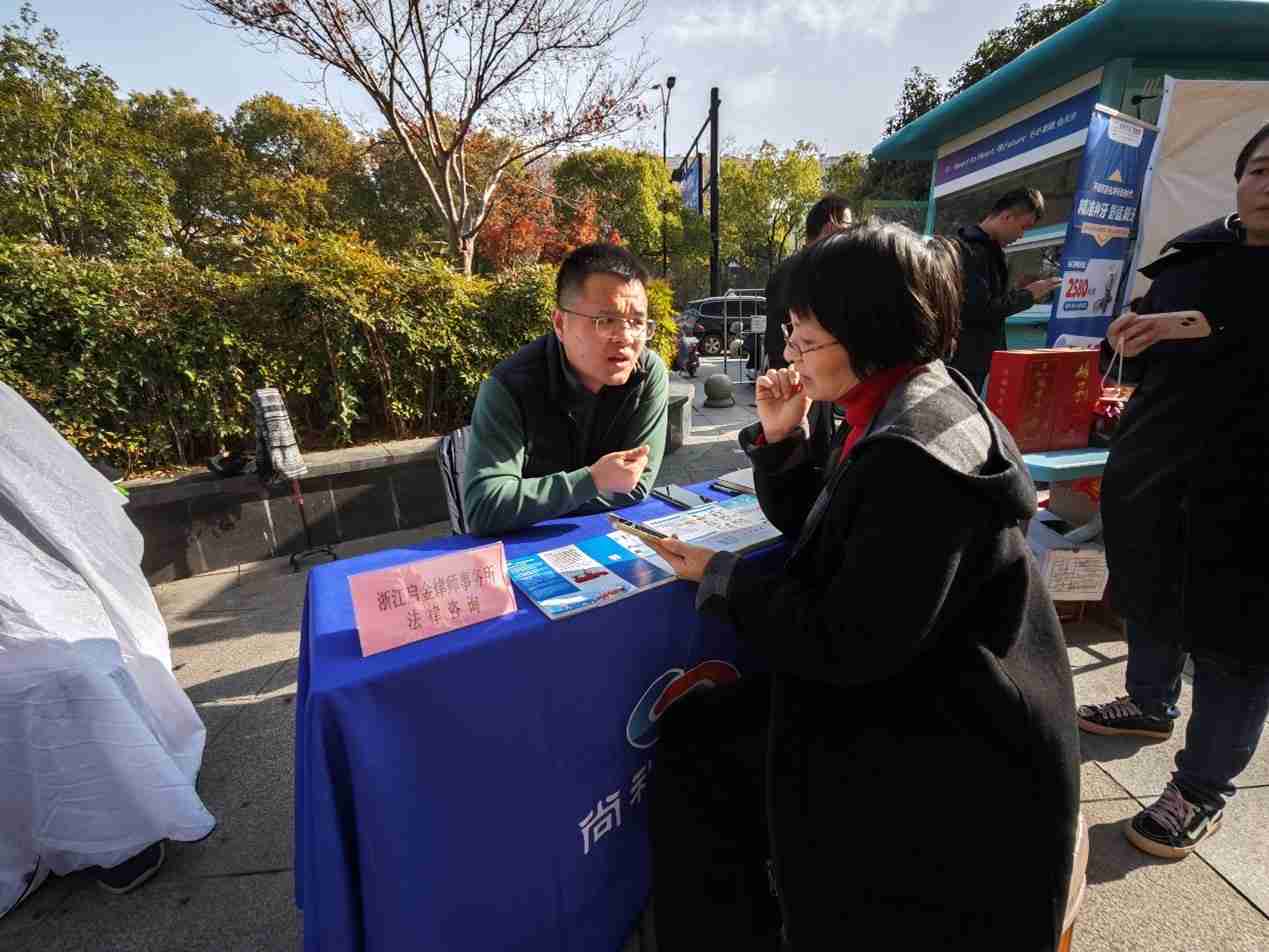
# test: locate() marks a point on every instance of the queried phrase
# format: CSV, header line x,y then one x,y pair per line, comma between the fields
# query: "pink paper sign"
x,y
407,603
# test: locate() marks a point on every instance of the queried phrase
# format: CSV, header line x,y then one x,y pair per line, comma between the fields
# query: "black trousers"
x,y
710,848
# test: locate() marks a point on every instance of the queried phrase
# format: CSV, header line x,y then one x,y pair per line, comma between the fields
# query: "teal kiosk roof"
x,y
1158,29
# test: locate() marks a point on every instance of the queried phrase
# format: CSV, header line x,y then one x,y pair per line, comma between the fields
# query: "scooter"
x,y
688,358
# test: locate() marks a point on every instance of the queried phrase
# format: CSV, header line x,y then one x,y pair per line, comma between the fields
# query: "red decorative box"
x,y
1077,390
1045,396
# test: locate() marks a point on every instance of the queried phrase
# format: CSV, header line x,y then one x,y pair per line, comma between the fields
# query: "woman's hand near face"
x,y
782,403
688,561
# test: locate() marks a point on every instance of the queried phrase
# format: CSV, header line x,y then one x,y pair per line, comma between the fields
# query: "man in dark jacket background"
x,y
988,298
1185,504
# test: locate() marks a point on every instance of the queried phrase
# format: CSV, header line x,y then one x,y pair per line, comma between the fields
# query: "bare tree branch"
x,y
512,79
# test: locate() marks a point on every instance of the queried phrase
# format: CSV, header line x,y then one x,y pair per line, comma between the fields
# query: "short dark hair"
x,y
597,258
1026,200
831,208
1240,166
886,294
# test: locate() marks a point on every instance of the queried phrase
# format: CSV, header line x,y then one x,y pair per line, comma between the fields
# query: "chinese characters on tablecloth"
x,y
606,815
406,603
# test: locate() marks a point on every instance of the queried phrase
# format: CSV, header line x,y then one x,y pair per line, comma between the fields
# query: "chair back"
x,y
452,457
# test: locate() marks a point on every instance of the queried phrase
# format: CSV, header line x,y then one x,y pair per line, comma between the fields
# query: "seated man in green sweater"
x,y
573,422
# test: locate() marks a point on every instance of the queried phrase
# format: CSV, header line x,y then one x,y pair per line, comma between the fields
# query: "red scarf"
x,y
863,400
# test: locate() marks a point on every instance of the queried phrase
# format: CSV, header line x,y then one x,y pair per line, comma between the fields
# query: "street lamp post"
x,y
665,161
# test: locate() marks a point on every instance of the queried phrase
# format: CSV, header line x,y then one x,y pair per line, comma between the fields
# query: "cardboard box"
x,y
1073,572
1044,396
1071,504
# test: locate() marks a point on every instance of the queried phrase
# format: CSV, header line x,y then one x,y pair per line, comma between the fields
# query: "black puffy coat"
x,y
1185,496
923,768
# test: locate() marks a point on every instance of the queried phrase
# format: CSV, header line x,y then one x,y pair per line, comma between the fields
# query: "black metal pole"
x,y
665,161
715,173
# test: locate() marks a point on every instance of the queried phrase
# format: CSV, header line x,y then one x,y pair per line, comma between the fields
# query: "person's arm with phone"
x,y
1135,339
984,309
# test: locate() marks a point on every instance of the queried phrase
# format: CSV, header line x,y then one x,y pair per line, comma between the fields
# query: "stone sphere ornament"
x,y
718,391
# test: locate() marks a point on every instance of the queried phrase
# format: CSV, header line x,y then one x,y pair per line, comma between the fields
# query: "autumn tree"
x,y
1031,26
399,215
536,74
206,167
845,177
521,227
73,172
764,205
904,179
629,189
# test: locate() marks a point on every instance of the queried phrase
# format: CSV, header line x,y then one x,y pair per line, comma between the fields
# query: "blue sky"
x,y
824,70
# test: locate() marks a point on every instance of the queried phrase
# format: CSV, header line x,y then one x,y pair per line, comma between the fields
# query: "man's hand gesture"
x,y
619,472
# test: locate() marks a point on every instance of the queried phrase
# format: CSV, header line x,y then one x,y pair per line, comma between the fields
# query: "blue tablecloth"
x,y
486,789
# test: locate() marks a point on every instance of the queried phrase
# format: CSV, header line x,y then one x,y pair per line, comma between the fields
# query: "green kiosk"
x,y
1026,124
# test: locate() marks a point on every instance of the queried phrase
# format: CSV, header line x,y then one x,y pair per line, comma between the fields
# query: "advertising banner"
x,y
690,185
1103,224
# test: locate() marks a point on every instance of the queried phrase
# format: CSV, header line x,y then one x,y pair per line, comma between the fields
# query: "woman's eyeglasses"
x,y
798,349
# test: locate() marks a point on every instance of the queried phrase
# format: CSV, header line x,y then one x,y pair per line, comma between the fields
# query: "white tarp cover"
x,y
1203,125
99,746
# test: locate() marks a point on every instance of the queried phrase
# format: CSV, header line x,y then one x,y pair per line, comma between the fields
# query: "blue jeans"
x,y
1231,702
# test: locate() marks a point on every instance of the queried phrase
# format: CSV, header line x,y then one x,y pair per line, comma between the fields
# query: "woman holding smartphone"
x,y
1185,505
910,766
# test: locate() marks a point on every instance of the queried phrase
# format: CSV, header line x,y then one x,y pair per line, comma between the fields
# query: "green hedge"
x,y
152,364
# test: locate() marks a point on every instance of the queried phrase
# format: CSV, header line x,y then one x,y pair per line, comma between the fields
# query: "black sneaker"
x,y
131,873
1122,716
1173,826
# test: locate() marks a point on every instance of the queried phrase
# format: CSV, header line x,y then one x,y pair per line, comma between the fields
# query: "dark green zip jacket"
x,y
536,430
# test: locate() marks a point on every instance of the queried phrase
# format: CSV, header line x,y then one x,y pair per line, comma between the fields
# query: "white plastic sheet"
x,y
99,745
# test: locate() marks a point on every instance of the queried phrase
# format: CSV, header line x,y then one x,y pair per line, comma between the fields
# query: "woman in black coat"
x,y
1185,504
921,759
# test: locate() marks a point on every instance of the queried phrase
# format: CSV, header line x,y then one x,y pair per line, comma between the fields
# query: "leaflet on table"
x,y
591,573
737,482
730,525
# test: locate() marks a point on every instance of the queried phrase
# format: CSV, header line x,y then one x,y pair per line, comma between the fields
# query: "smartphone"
x,y
1181,325
636,530
679,497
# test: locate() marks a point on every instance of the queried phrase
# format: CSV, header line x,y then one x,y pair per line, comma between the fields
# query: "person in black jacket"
x,y
909,636
828,216
1185,511
988,299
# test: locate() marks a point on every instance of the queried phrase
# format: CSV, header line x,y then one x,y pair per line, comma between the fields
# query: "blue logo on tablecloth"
x,y
665,689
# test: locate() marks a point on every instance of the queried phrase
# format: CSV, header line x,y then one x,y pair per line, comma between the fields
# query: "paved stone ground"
x,y
235,642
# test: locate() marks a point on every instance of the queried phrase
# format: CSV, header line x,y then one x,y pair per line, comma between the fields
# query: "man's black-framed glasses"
x,y
614,328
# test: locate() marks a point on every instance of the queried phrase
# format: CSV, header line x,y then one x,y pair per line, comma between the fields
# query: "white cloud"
x,y
762,22
755,91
